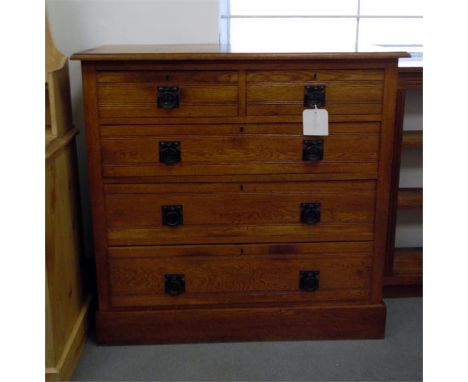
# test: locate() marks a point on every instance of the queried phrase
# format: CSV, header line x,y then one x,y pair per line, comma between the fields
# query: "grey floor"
x,y
396,358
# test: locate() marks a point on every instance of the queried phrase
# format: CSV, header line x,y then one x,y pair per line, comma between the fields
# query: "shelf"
x,y
404,265
412,139
410,78
410,198
54,144
407,267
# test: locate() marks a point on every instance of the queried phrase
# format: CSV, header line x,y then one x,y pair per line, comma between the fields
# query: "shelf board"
x,y
410,78
412,139
407,267
410,198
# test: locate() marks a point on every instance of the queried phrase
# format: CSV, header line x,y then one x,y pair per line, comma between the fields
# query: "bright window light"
x,y
323,26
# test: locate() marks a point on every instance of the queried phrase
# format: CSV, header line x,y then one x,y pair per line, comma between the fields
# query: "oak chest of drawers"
x,y
215,218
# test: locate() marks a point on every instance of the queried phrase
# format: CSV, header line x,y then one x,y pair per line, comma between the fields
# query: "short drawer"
x,y
238,149
154,214
167,94
347,92
152,276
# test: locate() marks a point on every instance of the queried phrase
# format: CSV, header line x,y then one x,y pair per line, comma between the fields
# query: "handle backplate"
x,y
168,97
312,150
174,284
169,152
172,215
310,213
309,280
314,95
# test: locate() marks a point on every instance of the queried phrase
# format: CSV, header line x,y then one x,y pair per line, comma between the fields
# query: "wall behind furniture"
x,y
78,25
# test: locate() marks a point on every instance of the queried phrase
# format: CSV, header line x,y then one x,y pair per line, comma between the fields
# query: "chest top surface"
x,y
216,52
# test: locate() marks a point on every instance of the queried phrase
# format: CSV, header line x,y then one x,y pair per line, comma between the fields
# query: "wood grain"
x,y
56,144
366,170
239,279
383,199
266,64
169,77
181,52
241,182
412,139
410,198
250,186
212,234
239,148
238,153
59,100
257,207
295,117
245,324
352,111
134,93
396,285
302,76
407,268
336,92
95,181
248,129
242,99
150,109
276,93
55,59
410,78
365,174
263,250
395,180
68,359
256,212
66,295
408,261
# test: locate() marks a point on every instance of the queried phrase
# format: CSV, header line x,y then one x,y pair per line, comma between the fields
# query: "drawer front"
x,y
352,92
239,213
199,93
279,149
258,273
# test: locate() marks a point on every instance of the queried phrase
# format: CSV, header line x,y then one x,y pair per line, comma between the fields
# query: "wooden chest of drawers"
x,y
215,218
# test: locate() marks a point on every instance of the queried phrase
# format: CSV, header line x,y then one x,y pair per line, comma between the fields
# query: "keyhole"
x,y
242,187
241,251
167,77
241,129
315,76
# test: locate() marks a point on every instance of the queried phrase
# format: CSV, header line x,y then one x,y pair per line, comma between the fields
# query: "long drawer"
x,y
238,149
197,275
155,214
199,93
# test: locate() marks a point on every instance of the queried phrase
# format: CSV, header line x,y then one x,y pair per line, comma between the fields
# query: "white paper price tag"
x,y
315,122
